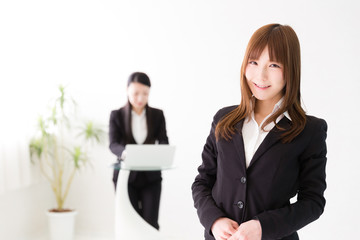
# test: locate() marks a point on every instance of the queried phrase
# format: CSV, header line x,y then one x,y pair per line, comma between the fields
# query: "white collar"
x,y
278,106
142,114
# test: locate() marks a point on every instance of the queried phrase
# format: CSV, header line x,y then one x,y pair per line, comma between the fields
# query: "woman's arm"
x,y
310,203
207,209
115,135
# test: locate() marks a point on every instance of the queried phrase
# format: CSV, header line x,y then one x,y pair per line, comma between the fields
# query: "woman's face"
x,y
138,95
265,78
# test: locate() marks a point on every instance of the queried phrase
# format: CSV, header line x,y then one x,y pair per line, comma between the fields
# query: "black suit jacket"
x,y
277,172
120,134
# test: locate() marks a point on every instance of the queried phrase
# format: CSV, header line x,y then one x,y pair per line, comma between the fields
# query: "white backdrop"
x,y
192,51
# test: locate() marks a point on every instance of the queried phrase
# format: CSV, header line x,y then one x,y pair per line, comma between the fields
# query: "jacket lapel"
x,y
271,138
127,123
238,142
149,124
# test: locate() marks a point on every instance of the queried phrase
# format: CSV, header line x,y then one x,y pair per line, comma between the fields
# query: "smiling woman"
x,y
267,147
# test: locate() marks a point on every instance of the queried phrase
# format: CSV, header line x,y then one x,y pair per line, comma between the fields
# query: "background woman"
x,y
264,151
136,122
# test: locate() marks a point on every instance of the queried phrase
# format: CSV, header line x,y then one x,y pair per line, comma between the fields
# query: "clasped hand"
x,y
227,229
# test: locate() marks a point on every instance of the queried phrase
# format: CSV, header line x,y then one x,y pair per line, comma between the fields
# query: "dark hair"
x,y
139,77
284,47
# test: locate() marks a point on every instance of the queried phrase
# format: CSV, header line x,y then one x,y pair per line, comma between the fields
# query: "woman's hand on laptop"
x,y
123,156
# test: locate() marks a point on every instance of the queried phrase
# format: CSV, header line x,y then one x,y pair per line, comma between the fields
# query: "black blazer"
x,y
120,134
277,172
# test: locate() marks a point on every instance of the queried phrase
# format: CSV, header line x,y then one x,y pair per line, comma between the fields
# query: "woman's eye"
x,y
274,65
252,62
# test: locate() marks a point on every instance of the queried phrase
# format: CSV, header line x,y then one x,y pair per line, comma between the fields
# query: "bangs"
x,y
276,42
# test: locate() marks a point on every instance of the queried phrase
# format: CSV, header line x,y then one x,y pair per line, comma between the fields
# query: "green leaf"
x,y
78,156
91,132
36,147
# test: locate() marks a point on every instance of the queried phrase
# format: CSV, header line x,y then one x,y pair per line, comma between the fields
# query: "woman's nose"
x,y
262,74
141,99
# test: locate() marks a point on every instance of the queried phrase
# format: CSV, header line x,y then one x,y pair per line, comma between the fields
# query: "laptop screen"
x,y
148,156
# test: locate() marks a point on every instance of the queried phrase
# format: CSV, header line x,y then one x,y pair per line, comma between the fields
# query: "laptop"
x,y
148,156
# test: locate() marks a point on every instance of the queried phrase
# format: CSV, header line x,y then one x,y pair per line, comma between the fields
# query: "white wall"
x,y
23,212
192,51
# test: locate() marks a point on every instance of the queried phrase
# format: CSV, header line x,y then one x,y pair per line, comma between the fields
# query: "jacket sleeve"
x,y
310,202
115,135
162,136
207,209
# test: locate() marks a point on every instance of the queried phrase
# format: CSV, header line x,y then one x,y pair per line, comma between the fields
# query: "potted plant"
x,y
59,152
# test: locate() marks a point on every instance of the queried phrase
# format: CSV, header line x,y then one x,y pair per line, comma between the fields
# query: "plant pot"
x,y
61,225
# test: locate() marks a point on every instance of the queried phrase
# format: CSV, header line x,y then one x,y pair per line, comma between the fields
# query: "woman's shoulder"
x,y
224,111
158,110
118,112
313,122
155,112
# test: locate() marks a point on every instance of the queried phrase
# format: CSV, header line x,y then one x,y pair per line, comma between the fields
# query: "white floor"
x,y
79,237
88,237
92,238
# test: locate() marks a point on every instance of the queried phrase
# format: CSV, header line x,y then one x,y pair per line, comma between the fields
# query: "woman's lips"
x,y
262,86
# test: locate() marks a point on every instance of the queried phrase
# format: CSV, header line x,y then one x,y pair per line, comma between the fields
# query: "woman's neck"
x,y
138,111
263,109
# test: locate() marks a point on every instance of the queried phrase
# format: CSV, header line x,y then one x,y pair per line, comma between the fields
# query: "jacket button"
x,y
240,204
243,180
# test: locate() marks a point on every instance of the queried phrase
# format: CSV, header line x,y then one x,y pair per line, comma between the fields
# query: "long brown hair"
x,y
284,47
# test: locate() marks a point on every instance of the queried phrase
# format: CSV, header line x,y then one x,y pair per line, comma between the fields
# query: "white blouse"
x,y
139,126
253,135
